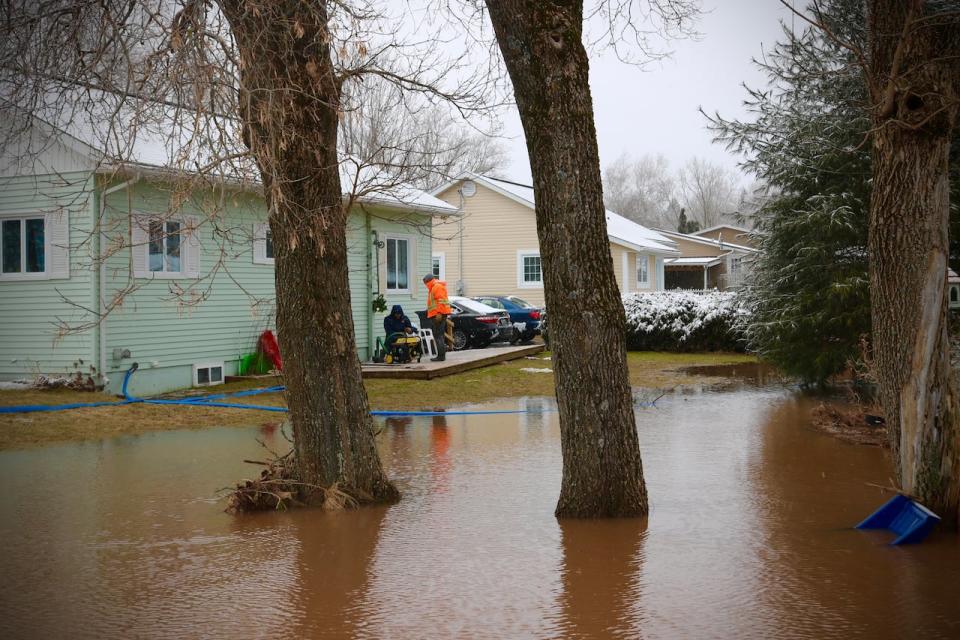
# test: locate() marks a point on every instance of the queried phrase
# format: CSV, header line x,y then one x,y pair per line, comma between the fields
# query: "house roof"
x,y
165,152
722,226
952,277
707,261
620,230
708,241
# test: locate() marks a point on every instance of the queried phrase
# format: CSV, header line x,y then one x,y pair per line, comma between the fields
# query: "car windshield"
x,y
473,306
523,304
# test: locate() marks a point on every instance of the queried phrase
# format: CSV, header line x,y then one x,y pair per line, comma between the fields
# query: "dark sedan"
x,y
524,316
475,324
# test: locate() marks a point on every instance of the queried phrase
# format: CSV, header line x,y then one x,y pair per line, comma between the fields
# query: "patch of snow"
x,y
533,370
16,385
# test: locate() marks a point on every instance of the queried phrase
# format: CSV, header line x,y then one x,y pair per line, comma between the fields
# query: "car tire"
x,y
459,340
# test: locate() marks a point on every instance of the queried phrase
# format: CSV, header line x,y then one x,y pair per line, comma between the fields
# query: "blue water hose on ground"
x,y
212,400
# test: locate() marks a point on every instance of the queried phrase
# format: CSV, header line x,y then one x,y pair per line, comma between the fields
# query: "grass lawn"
x,y
17,431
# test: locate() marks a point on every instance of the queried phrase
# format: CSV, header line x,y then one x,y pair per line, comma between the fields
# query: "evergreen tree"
x,y
807,141
687,226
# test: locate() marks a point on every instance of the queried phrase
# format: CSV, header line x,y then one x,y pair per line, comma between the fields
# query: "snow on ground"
x,y
16,385
534,370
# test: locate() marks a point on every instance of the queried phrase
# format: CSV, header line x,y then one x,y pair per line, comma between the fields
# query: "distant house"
x,y
728,233
191,296
707,262
953,285
492,247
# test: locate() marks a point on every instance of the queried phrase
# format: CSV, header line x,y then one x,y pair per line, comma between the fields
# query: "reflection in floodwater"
x,y
755,373
602,590
749,536
440,451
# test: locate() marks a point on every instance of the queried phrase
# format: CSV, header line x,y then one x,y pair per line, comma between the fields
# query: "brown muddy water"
x,y
749,537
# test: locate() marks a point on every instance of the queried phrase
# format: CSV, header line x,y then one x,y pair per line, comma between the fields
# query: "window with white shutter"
x,y
165,247
34,246
400,251
262,244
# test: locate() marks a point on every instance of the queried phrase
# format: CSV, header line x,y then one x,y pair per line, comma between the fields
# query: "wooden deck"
x,y
456,362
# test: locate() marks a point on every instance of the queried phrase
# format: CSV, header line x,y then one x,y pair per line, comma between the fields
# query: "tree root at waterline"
x,y
277,488
855,424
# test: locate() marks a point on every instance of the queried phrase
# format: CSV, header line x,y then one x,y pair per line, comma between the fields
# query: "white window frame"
x,y
261,231
188,243
521,255
644,261
411,247
625,267
442,257
208,365
24,275
164,236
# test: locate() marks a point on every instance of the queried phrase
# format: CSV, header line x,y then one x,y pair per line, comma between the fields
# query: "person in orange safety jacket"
x,y
438,309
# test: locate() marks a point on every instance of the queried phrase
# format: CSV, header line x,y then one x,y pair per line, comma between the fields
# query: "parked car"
x,y
475,324
526,318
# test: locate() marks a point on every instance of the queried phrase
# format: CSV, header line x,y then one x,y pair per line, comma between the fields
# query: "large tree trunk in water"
x,y
541,44
289,100
915,93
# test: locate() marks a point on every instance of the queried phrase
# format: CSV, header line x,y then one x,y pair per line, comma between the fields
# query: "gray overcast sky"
x,y
655,110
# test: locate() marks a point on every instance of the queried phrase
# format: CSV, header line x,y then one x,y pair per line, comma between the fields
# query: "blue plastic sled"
x,y
910,520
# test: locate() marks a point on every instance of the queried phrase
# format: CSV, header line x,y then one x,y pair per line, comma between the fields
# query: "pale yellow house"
x,y
491,247
706,262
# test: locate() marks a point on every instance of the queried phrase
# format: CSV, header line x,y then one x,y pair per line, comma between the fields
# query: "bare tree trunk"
x,y
914,86
541,44
289,104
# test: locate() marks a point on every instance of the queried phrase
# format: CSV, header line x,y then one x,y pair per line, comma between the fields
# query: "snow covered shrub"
x,y
684,321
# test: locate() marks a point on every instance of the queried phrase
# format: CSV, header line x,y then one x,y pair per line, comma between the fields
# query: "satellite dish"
x,y
468,189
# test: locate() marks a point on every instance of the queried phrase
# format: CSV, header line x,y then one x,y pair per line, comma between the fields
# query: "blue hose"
x,y
212,401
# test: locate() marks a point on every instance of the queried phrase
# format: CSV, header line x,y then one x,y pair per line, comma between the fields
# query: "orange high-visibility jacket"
x,y
437,299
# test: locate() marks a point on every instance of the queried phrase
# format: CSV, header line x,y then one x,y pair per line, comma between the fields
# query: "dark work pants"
x,y
440,334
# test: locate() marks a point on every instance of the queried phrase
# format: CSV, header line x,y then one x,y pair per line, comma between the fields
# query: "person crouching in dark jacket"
x,y
396,325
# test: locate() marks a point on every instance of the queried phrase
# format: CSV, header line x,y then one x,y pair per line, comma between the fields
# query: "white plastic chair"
x,y
428,342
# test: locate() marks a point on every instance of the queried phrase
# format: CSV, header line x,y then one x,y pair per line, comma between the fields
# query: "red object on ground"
x,y
268,346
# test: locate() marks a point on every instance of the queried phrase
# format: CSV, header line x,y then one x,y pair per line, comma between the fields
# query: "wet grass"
x,y
17,431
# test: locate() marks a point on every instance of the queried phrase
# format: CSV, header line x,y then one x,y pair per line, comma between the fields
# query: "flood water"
x,y
749,537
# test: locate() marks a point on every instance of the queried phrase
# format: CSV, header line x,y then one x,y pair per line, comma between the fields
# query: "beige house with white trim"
x,y
491,248
706,263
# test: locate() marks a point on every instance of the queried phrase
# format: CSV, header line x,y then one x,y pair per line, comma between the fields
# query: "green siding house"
x,y
106,265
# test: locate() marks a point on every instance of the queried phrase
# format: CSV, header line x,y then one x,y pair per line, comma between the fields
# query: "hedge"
x,y
685,321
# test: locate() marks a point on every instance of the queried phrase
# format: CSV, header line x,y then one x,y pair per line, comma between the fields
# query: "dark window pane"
x,y
173,247
11,246
35,246
391,264
269,243
216,374
402,275
155,246
203,376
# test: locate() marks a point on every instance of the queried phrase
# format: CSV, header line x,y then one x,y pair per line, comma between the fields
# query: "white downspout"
x,y
461,283
101,244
